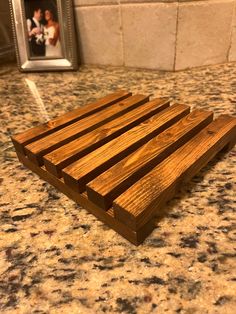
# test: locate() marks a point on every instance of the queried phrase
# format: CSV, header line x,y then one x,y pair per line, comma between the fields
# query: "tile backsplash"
x,y
6,39
165,34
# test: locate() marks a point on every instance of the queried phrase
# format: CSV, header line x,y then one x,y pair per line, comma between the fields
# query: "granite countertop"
x,y
57,258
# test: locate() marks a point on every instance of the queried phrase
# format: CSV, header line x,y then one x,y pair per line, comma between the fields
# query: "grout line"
x,y
176,35
129,2
122,33
231,32
152,2
142,3
6,48
95,5
5,51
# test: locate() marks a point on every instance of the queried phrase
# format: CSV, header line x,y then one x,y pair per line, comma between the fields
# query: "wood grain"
x,y
137,205
128,153
66,154
37,149
111,183
79,173
135,237
27,137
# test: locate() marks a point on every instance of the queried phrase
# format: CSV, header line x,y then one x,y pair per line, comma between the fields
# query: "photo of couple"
x,y
43,29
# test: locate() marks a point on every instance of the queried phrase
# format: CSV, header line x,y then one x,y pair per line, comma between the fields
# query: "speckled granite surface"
x,y
57,258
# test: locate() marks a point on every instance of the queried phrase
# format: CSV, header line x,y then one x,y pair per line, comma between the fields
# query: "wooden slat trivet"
x,y
123,157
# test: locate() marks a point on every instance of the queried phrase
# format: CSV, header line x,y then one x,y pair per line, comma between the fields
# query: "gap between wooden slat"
x,y
79,173
37,149
143,199
113,182
68,153
35,133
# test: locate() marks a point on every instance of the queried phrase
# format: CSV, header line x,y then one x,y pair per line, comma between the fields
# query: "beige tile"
x,y
192,0
203,35
94,2
232,51
99,33
149,32
5,30
4,6
146,1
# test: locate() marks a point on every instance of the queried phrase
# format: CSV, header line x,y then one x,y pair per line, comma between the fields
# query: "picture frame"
x,y
44,35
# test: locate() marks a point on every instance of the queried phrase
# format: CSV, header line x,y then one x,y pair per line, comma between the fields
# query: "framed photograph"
x,y
44,34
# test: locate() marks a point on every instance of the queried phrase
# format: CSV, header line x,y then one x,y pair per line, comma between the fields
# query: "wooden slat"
x,y
37,149
66,154
79,173
110,184
27,137
146,197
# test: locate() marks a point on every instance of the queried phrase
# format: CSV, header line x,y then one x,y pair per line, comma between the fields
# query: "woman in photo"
x,y
52,35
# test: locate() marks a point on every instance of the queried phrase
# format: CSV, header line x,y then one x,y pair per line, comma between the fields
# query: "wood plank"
x,y
37,149
79,173
27,137
66,154
135,237
142,200
110,184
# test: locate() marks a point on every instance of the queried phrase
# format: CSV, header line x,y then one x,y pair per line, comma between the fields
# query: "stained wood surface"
x,y
111,183
130,154
37,149
79,173
24,138
143,199
135,237
66,154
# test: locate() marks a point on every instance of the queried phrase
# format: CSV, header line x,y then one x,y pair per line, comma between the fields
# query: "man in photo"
x,y
35,33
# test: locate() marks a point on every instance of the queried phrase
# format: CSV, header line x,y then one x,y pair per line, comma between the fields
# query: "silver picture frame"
x,y
26,63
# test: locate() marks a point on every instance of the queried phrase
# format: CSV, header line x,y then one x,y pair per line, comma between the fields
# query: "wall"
x,y
6,40
165,34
